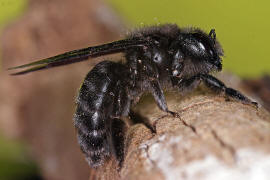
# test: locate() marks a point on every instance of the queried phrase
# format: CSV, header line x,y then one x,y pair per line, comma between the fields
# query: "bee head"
x,y
196,52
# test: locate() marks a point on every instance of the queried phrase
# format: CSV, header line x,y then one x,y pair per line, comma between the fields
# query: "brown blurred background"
x,y
37,109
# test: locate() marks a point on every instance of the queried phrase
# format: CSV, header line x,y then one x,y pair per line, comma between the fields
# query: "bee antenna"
x,y
212,34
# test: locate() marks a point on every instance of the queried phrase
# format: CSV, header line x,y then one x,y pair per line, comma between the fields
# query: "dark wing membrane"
x,y
80,55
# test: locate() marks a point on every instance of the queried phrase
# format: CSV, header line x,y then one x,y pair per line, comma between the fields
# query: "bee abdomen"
x,y
94,111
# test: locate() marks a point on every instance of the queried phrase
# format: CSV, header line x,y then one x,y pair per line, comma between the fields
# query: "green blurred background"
x,y
242,27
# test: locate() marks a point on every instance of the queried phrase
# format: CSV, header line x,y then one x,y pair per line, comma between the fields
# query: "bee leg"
x,y
118,130
219,87
215,85
138,118
187,85
159,97
121,105
121,108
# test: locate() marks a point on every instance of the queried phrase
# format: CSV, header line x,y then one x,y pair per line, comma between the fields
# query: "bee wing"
x,y
80,55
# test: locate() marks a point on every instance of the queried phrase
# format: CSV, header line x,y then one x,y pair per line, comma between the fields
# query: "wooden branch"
x,y
213,139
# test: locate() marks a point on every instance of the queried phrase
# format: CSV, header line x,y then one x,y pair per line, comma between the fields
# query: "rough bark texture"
x,y
212,139
38,108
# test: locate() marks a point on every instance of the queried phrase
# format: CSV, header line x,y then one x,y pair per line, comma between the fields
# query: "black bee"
x,y
156,57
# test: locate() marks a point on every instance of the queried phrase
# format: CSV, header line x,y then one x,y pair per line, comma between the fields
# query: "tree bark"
x,y
212,139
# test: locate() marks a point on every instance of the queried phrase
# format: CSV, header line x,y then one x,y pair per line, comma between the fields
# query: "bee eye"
x,y
202,47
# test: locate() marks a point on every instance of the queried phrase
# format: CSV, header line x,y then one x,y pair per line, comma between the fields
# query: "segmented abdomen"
x,y
94,105
97,103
